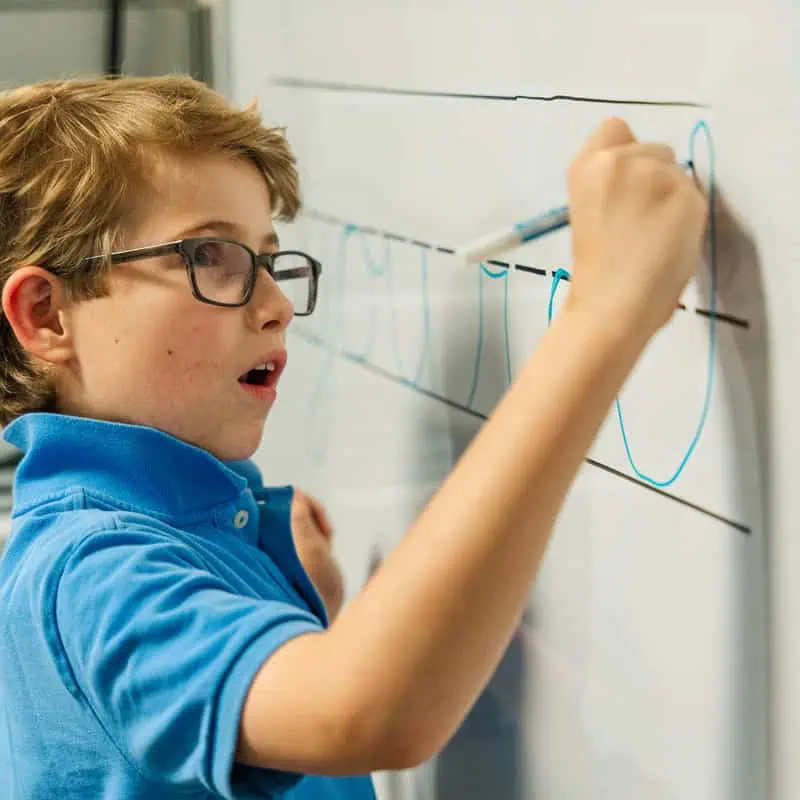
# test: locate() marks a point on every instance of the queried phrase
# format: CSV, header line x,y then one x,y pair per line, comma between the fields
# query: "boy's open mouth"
x,y
266,373
260,376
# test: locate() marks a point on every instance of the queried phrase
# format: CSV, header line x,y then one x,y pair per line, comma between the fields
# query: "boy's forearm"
x,y
428,630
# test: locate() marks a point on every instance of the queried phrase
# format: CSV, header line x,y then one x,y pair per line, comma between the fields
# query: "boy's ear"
x,y
33,302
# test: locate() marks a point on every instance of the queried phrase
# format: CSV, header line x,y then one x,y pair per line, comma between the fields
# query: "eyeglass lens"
x,y
222,273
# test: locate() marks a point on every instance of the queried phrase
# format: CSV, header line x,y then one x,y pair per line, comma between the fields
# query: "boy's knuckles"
x,y
596,169
652,177
654,150
605,173
661,152
602,165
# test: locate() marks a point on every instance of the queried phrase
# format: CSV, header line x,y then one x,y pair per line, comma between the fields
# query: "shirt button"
x,y
240,520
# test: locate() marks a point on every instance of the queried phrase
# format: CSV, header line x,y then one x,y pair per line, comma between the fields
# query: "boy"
x,y
171,627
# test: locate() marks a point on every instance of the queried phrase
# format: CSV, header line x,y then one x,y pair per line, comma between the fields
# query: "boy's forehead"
x,y
180,174
189,188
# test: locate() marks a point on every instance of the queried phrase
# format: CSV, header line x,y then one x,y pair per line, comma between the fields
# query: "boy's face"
x,y
150,353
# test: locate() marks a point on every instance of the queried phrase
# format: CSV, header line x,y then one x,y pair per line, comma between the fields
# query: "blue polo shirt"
x,y
144,584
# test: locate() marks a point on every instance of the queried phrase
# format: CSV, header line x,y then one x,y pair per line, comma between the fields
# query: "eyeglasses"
x,y
223,272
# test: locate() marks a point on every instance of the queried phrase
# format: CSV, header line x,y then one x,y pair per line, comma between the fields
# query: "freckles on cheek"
x,y
190,353
173,367
187,367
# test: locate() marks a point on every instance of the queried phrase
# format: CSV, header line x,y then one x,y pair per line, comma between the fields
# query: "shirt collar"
x,y
137,465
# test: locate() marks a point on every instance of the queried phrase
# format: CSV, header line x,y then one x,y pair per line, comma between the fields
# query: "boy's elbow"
x,y
408,753
296,718
393,745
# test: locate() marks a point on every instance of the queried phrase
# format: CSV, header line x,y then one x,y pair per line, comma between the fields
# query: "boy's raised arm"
x,y
394,676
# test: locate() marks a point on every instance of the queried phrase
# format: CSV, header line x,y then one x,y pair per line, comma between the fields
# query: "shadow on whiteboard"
x,y
742,276
486,757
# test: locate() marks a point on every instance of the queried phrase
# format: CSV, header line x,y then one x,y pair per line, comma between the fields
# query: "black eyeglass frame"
x,y
186,248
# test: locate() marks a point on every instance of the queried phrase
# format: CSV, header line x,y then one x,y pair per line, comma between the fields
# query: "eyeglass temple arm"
x,y
140,252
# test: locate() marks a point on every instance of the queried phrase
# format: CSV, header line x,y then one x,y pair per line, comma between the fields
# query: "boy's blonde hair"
x,y
71,151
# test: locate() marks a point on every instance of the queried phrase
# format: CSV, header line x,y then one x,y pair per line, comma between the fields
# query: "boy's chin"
x,y
237,446
238,453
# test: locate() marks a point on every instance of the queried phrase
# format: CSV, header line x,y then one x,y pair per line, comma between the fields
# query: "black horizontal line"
x,y
729,318
704,312
739,526
574,98
301,83
383,373
534,270
355,358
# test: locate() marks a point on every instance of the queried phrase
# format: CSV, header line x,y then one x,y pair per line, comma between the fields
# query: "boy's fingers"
x,y
301,507
310,508
612,160
299,501
661,152
614,132
321,517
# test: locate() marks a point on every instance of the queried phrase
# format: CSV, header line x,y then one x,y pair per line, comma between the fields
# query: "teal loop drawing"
x,y
562,275
382,268
500,274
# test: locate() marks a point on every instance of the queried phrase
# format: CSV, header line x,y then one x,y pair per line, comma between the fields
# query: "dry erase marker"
x,y
516,235
526,231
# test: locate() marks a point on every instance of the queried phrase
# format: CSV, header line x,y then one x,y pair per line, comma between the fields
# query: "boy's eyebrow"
x,y
230,229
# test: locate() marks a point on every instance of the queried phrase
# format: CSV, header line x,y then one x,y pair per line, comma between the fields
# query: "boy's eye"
x,y
209,254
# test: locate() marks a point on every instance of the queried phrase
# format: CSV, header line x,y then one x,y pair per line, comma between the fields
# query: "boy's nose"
x,y
270,304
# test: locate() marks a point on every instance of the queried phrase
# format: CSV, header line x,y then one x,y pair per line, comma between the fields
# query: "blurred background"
x,y
42,39
45,39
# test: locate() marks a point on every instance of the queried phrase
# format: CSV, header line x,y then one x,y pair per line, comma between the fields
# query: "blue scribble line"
x,y
712,331
381,268
499,274
507,337
562,274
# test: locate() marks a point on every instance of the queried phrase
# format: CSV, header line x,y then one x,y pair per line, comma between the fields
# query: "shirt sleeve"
x,y
164,652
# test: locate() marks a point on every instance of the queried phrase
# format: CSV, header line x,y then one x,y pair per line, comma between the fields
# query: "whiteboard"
x,y
657,633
